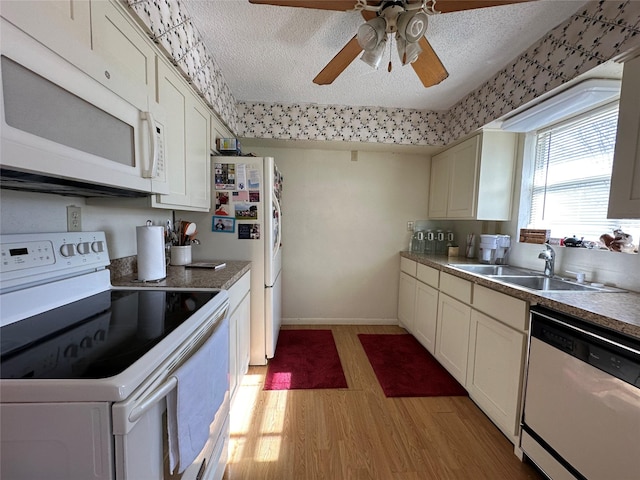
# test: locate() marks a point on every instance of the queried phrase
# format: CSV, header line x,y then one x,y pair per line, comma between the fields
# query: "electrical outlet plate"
x,y
74,219
410,226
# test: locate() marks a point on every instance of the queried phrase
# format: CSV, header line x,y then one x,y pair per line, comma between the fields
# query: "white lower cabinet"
x,y
497,351
407,301
426,313
418,301
495,368
239,331
478,334
452,342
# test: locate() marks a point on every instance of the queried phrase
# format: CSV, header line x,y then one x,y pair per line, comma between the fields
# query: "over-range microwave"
x,y
58,123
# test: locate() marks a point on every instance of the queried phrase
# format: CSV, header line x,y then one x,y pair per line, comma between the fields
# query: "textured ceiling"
x,y
271,54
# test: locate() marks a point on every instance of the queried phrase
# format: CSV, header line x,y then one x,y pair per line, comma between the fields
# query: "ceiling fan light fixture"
x,y
407,51
374,56
371,33
412,25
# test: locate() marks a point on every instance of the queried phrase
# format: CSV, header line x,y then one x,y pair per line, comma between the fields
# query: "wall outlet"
x,y
410,226
74,219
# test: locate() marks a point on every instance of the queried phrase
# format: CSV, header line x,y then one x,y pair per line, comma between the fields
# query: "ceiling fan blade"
x,y
343,59
338,63
338,5
428,66
448,6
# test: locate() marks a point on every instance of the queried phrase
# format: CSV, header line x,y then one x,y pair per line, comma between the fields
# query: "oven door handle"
x,y
150,400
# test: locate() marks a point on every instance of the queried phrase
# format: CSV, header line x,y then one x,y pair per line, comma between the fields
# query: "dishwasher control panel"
x,y
606,351
615,364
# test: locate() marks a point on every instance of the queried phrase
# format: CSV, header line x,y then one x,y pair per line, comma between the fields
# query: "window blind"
x,y
572,176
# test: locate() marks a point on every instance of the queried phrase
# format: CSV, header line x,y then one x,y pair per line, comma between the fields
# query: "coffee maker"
x,y
494,249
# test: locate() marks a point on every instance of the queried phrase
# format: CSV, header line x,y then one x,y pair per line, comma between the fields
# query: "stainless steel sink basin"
x,y
546,284
529,279
492,270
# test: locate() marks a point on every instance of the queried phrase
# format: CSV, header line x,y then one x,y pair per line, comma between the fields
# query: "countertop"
x,y
194,278
617,311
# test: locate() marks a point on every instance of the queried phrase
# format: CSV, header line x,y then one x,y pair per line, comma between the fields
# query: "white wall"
x,y
24,212
344,223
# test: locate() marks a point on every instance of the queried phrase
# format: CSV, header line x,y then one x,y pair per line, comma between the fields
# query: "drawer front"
x,y
408,266
456,287
509,310
429,275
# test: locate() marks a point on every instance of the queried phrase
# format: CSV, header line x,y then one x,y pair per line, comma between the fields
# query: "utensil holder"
x,y
180,255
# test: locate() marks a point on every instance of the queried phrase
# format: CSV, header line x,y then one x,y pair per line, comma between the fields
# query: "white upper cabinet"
x,y
474,179
218,131
624,197
103,40
98,37
187,143
439,184
198,155
64,26
123,61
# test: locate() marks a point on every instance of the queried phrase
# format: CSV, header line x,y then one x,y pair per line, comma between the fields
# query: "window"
x,y
571,177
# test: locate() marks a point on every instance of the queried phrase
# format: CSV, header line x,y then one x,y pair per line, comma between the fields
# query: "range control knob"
x,y
71,351
97,247
68,250
84,248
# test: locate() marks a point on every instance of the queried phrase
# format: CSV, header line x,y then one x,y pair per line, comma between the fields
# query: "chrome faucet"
x,y
549,257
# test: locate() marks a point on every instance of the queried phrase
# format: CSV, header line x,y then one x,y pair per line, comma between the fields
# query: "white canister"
x,y
151,257
180,255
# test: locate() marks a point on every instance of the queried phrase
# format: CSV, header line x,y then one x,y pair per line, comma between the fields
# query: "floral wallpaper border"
x,y
170,28
601,31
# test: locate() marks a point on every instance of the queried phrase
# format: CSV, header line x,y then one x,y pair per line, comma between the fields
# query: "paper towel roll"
x,y
151,258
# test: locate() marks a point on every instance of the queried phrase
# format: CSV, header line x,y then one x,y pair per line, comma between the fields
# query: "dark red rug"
x,y
305,359
406,369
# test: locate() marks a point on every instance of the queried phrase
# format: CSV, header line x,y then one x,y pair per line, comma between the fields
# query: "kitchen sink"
x,y
546,284
492,270
529,279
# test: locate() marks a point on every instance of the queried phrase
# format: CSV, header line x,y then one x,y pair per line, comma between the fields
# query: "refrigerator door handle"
x,y
278,240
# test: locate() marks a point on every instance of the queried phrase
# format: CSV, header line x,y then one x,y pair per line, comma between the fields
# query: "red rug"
x,y
406,369
305,359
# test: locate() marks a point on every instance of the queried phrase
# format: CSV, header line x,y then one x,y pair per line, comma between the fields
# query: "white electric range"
x,y
86,368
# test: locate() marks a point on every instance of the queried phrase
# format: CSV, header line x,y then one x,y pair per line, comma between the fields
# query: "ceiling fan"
x,y
404,21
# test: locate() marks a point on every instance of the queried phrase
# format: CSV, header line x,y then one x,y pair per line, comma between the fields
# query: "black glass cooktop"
x,y
96,337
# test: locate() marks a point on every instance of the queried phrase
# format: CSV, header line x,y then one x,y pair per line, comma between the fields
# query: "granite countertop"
x,y
616,311
194,278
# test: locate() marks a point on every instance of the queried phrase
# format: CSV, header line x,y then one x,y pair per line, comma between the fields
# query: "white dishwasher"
x,y
582,400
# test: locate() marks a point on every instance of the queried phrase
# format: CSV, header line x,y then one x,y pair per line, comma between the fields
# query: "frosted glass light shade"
x,y
371,33
408,52
412,26
374,56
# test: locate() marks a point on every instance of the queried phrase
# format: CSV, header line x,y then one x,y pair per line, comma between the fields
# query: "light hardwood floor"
x,y
358,433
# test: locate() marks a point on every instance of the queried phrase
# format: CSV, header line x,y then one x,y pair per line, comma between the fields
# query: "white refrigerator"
x,y
246,225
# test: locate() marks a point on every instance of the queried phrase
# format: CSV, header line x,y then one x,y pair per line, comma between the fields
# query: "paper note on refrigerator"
x,y
241,176
225,176
253,178
249,231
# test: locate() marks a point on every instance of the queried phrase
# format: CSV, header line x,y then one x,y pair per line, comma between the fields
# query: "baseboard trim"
x,y
340,321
